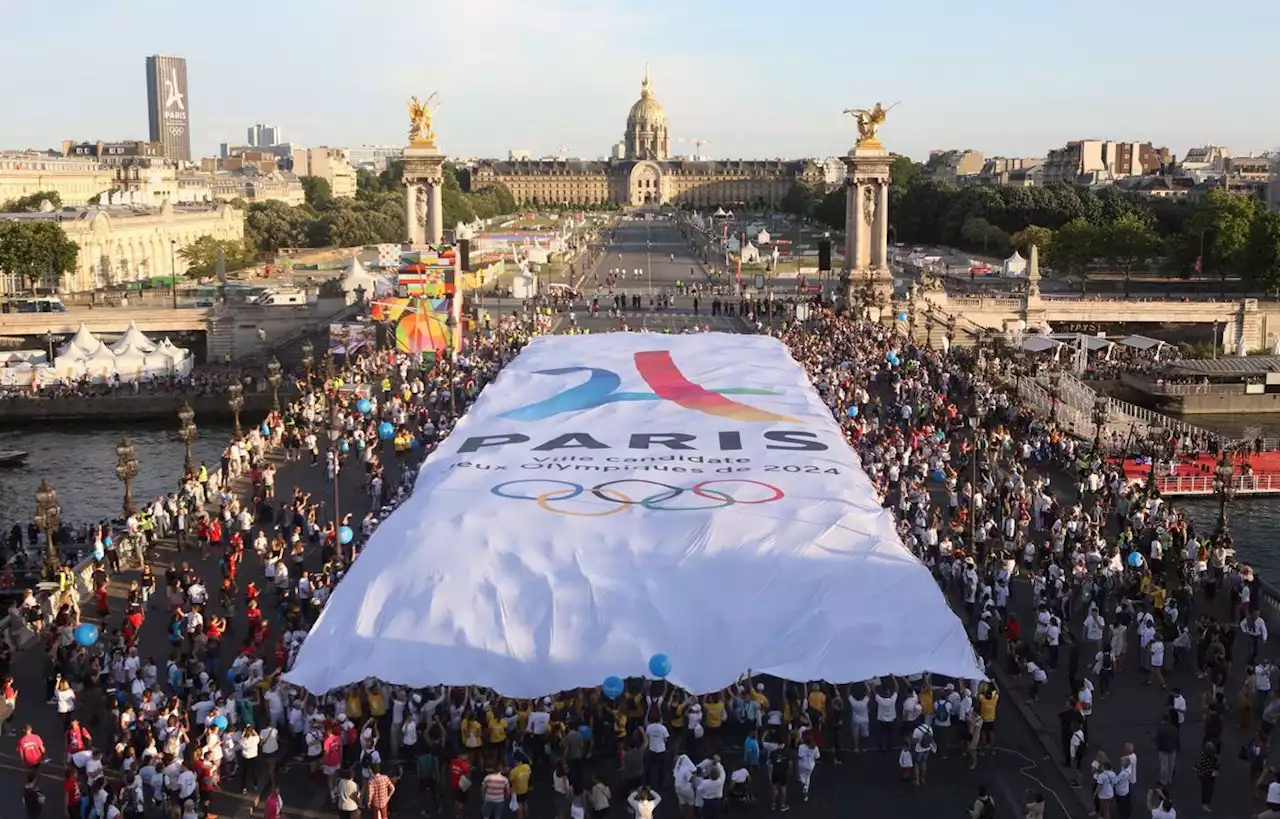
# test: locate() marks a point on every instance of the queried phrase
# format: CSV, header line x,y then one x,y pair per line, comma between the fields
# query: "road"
x,y
867,785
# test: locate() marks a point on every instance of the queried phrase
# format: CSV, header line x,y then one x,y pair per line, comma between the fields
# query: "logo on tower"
x,y
173,96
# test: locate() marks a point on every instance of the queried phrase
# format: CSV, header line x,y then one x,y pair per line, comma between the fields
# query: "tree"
x,y
1075,245
800,199
1222,223
36,250
31,202
1040,237
977,231
1128,244
201,256
1263,251
318,191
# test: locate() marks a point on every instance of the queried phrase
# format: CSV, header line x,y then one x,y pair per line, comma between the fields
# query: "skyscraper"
x,y
167,111
264,136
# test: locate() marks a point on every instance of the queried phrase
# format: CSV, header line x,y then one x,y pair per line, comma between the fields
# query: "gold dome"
x,y
646,113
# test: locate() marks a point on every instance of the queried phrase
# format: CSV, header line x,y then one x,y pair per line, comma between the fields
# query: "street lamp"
x,y
48,517
126,471
235,400
173,270
1055,392
308,358
1224,487
187,433
274,378
328,365
1100,418
928,331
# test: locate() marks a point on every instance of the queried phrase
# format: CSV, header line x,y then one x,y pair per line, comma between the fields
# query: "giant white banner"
x,y
614,496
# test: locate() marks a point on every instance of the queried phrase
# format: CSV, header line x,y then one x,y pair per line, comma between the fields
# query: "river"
x,y
80,464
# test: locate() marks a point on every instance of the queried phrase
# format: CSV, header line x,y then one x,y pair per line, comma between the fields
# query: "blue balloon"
x,y
86,634
220,722
939,476
266,428
853,412
902,317
344,447
613,687
1135,560
415,442
345,535
659,665
98,552
386,430
364,406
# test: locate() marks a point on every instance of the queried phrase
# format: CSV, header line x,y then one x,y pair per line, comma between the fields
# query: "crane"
x,y
697,145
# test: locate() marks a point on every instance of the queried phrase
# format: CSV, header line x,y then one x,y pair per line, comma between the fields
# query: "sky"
x,y
755,80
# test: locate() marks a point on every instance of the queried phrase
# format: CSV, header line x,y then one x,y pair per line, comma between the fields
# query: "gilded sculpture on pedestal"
x,y
420,132
869,121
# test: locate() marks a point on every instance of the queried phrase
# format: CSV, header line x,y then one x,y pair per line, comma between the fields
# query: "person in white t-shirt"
x,y
860,718
655,762
807,756
886,714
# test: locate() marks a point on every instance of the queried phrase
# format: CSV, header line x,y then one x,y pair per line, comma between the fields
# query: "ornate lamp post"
x,y
928,331
951,333
126,471
1055,393
274,378
328,365
1100,418
187,433
235,400
1224,488
48,517
308,358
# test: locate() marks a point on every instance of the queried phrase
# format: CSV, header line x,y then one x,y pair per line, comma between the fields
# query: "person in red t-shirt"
x,y
332,756
274,807
31,748
71,792
460,769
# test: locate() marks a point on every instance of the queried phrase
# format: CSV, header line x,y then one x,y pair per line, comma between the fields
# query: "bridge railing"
x,y
1203,484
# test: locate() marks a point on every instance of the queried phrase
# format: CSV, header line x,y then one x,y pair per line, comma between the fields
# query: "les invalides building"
x,y
642,172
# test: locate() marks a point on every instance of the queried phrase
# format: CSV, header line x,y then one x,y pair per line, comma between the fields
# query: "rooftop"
x,y
1227,366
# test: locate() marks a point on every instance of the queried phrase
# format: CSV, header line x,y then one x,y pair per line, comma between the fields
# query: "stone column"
x,y
410,212
435,212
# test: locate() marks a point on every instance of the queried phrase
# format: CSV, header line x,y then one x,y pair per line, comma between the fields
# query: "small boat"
x,y
12,457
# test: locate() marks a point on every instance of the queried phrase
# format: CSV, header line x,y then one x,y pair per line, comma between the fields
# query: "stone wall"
x,y
129,407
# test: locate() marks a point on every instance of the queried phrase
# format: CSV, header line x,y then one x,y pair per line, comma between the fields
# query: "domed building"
x,y
646,135
643,173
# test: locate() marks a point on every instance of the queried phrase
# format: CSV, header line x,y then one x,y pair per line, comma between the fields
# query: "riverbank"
x,y
127,406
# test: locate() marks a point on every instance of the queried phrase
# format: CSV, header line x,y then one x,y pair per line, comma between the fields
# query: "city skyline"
x,y
503,87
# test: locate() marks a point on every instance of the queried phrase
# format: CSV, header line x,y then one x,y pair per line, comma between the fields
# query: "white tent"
x,y
763,237
101,363
83,342
133,339
750,253
1014,266
1039,344
513,569
1141,342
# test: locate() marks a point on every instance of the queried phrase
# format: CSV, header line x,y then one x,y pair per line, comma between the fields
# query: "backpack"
x,y
988,808
942,713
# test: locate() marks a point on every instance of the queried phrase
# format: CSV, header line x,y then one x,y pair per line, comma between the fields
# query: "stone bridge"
x,y
1247,324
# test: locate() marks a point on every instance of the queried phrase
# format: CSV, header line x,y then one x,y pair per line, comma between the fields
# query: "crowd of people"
x,y
1012,515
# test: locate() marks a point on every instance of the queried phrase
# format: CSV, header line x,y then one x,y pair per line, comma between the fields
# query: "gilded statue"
x,y
420,132
869,121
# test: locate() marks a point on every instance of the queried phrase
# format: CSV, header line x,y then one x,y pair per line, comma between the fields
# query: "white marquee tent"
x,y
133,339
564,533
132,357
357,276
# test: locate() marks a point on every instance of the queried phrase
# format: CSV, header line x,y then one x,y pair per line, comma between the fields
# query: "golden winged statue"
x,y
869,121
420,132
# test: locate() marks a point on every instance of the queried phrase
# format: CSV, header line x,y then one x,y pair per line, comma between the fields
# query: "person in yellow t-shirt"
x,y
677,717
520,775
472,738
377,703
355,703
988,697
497,748
713,712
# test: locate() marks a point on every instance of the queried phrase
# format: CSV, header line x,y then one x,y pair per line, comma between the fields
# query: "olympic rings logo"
x,y
660,495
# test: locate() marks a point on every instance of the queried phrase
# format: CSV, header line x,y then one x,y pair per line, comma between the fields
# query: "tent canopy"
x,y
547,545
1039,344
133,339
83,342
1141,342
